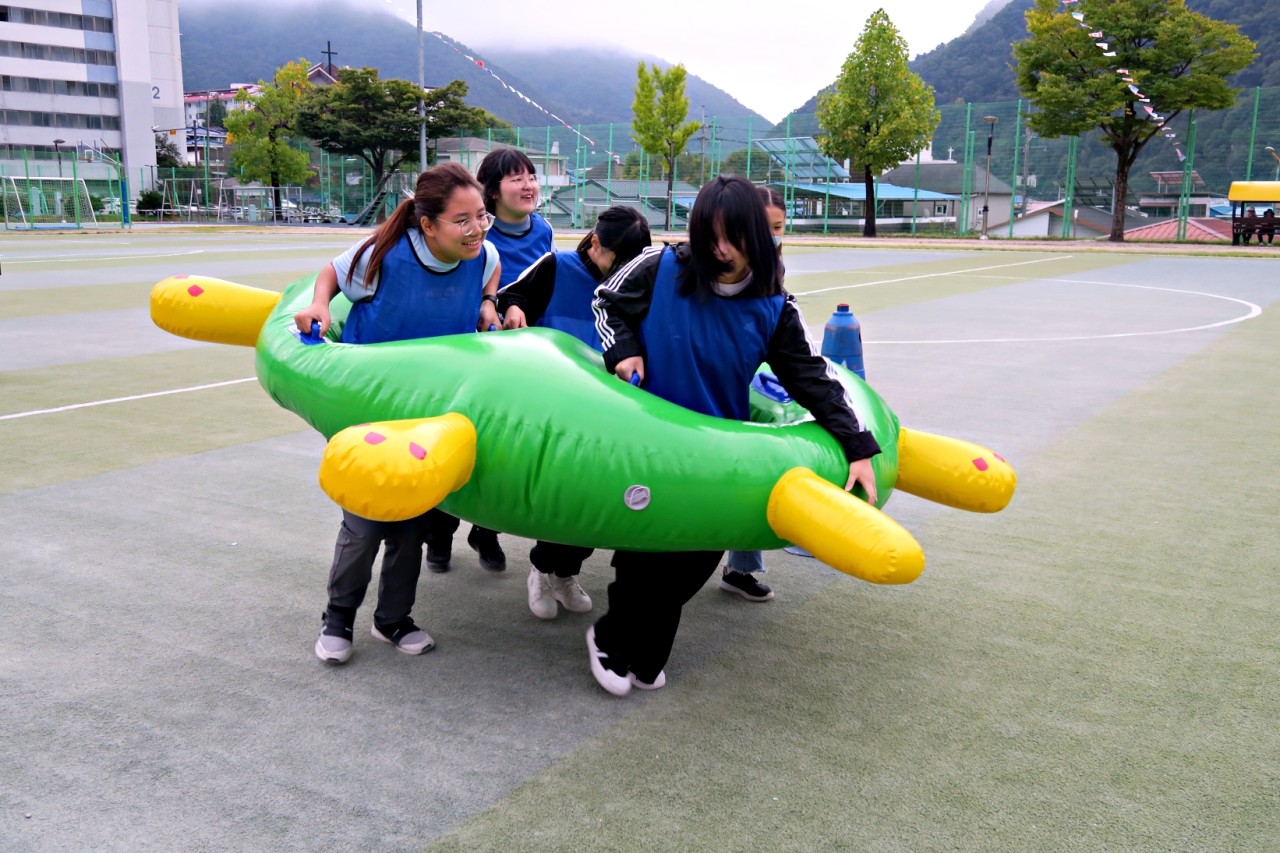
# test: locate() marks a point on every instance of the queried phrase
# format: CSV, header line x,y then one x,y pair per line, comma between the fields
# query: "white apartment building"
x,y
87,74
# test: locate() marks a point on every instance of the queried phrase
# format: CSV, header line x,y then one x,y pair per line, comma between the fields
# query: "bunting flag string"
x,y
479,63
1103,44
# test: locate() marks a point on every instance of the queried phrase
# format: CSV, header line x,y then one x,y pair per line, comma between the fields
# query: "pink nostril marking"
x,y
195,290
417,450
182,276
374,438
1001,458
980,464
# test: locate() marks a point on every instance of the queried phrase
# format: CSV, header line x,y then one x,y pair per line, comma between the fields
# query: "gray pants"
x,y
353,556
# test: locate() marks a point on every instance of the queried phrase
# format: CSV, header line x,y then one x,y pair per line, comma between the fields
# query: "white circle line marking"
x,y
1254,311
931,275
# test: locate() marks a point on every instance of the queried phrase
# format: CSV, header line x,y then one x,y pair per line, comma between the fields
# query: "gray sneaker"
x,y
405,636
334,643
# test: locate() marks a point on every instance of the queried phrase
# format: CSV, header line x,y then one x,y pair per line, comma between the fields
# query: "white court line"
x,y
126,399
76,258
931,275
1254,311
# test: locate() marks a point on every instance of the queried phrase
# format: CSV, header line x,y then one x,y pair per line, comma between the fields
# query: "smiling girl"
x,y
693,323
424,272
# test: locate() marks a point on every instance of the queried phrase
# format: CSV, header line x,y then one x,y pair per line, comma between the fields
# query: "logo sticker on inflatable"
x,y
637,497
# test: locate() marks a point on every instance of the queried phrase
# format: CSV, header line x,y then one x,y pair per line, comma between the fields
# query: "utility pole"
x,y
422,104
702,179
1026,149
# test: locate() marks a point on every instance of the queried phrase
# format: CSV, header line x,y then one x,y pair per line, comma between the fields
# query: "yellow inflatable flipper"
x,y
396,470
843,531
950,471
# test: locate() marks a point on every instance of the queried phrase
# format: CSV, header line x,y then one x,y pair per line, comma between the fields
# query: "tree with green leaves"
x,y
878,113
215,112
1178,59
263,133
377,120
658,118
167,154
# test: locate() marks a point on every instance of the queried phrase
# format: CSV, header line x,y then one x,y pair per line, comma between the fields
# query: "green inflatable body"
x,y
566,452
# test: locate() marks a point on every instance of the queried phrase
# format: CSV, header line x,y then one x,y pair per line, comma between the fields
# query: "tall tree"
x,y
262,133
877,114
1177,58
658,118
167,154
377,120
216,112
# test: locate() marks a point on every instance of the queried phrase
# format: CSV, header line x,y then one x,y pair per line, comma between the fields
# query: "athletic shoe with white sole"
x,y
570,593
405,636
605,673
658,683
334,643
745,585
542,600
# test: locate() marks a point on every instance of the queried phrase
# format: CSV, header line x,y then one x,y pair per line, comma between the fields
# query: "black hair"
x,y
771,198
732,205
498,164
622,230
430,198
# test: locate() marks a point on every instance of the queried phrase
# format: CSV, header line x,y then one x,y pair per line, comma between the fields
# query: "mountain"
x,y
976,67
243,42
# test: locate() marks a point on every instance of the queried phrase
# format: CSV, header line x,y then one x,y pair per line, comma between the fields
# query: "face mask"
x,y
777,241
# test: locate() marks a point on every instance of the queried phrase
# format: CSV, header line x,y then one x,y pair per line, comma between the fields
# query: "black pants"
x,y
353,556
563,561
440,527
646,599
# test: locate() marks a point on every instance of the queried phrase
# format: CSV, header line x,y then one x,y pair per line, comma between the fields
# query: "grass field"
x,y
1092,669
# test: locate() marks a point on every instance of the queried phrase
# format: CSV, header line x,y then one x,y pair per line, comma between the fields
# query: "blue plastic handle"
x,y
492,327
635,379
313,337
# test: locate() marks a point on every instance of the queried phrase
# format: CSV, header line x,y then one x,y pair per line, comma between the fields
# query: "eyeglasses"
x,y
525,180
484,221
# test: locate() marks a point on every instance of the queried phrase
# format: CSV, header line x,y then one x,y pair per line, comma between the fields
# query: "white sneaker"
x,y
609,679
332,649
542,601
570,593
658,683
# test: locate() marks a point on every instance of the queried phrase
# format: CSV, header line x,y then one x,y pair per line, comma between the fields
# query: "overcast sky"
x,y
770,56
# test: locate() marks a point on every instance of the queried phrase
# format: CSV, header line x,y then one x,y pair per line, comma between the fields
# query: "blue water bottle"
x,y
842,340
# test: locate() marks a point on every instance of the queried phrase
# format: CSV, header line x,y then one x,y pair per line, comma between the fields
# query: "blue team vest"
x,y
702,355
414,302
517,253
570,307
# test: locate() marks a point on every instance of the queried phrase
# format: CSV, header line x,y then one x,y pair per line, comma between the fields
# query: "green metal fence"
x,y
1034,186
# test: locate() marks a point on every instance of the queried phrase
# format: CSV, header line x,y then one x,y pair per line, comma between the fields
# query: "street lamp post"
x,y
986,193
1273,153
57,149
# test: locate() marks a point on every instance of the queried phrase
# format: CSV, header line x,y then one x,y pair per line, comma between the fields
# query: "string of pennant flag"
x,y
1104,45
479,63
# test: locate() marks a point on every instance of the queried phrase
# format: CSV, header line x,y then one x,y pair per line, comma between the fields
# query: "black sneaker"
x,y
438,558
485,543
745,585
